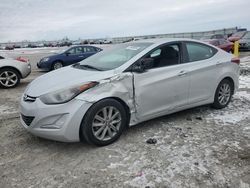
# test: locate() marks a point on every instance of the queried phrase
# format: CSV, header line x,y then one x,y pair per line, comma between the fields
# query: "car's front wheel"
x,y
104,122
9,78
223,94
57,65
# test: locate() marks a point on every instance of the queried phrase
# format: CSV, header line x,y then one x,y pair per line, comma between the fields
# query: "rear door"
x,y
89,51
163,87
204,69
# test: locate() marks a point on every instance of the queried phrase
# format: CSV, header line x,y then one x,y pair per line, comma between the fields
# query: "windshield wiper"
x,y
90,67
77,65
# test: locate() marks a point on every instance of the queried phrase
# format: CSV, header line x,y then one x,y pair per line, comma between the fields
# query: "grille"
x,y
28,98
27,119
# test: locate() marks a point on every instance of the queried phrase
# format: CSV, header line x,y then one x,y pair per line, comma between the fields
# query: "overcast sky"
x,y
55,19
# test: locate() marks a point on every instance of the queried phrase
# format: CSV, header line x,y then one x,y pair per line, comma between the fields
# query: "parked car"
x,y
65,43
215,36
12,70
67,57
96,99
32,45
244,42
222,44
9,47
237,36
107,41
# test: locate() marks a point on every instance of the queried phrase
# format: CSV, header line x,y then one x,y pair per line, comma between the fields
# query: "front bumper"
x,y
55,122
43,65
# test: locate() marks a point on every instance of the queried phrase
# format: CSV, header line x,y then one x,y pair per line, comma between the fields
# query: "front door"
x,y
164,87
74,55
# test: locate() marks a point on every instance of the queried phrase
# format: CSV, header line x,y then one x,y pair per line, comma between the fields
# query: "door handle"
x,y
218,63
81,56
182,73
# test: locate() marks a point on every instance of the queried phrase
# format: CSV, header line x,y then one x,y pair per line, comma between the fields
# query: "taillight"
x,y
22,59
236,60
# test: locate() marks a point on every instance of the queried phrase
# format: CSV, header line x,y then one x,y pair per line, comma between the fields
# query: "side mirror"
x,y
67,53
143,65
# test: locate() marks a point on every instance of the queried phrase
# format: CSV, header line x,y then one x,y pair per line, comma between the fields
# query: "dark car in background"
x,y
222,44
244,42
237,36
67,57
214,36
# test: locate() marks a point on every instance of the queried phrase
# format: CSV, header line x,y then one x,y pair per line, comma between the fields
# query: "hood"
x,y
64,78
55,55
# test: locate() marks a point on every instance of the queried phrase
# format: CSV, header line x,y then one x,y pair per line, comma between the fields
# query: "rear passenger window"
x,y
89,49
197,52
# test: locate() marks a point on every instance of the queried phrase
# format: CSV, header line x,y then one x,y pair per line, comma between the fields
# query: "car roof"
x,y
160,41
83,46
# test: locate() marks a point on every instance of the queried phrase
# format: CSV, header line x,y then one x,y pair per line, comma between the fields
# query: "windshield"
x,y
247,36
113,57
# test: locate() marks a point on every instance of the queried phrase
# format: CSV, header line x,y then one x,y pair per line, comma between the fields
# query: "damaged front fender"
x,y
118,86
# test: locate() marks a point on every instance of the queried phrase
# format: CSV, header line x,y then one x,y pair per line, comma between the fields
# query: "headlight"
x,y
45,59
65,95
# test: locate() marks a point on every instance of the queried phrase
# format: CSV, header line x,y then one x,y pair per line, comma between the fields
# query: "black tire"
x,y
57,65
87,128
3,83
217,98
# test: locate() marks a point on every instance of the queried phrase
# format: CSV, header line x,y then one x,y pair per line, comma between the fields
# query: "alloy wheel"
x,y
106,123
8,78
224,94
57,65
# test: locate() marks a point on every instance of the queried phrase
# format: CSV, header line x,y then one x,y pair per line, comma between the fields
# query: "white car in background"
x,y
95,99
12,70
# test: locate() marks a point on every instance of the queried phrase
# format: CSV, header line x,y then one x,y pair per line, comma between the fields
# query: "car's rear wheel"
x,y
57,65
223,94
104,122
9,78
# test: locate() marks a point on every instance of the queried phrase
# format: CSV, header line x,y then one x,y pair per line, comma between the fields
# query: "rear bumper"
x,y
26,70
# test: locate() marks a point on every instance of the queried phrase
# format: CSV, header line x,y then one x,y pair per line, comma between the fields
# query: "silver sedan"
x,y
12,70
96,99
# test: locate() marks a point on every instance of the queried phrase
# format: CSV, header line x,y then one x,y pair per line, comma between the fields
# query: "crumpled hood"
x,y
64,78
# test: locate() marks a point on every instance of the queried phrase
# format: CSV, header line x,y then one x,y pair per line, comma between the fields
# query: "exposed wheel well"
x,y
13,68
125,107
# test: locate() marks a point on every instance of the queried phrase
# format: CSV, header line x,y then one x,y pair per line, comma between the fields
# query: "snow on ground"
x,y
236,111
183,159
239,108
7,110
244,82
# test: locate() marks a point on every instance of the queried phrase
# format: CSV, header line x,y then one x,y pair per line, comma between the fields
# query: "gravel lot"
x,y
201,147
